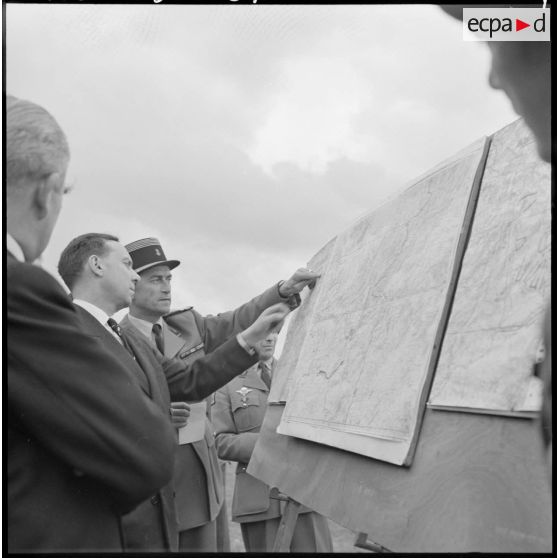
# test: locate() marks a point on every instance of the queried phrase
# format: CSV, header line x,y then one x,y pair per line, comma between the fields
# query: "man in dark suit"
x,y
84,443
98,271
186,334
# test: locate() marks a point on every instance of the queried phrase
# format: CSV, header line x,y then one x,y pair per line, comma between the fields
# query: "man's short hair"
x,y
36,146
79,250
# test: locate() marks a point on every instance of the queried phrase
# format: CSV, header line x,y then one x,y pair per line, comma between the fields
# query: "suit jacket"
x,y
238,415
186,382
189,336
152,524
84,443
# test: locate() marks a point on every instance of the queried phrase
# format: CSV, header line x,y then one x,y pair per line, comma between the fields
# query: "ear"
x,y
95,265
44,191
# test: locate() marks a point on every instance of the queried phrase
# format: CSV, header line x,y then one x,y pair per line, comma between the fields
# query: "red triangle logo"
x,y
519,25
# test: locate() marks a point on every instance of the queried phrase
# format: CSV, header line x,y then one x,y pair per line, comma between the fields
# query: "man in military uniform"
x,y
238,415
198,477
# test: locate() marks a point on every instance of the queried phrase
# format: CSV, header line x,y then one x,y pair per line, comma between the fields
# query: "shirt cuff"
x,y
241,341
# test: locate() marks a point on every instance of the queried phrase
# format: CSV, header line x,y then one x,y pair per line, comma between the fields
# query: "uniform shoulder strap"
x,y
176,312
183,323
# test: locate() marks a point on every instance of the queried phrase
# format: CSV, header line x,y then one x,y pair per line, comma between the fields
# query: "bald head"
x,y
37,156
522,70
36,146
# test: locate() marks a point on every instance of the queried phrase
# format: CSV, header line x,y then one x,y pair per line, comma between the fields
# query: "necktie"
x,y
113,324
266,375
158,336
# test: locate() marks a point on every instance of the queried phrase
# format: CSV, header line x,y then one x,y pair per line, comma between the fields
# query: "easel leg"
x,y
363,542
286,527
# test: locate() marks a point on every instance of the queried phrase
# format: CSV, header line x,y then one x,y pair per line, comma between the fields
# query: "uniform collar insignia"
x,y
243,391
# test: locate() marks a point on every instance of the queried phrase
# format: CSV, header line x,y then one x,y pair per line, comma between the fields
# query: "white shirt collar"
x,y
95,311
14,248
143,325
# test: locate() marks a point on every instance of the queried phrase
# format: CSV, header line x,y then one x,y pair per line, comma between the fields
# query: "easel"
x,y
363,542
404,508
477,482
287,525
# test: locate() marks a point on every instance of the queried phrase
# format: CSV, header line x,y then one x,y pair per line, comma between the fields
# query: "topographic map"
x,y
359,355
295,335
494,334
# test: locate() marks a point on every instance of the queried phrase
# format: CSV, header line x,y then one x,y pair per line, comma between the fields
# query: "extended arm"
x,y
207,374
215,330
199,379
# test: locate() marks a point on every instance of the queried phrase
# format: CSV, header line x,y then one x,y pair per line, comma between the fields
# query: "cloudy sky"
x,y
245,136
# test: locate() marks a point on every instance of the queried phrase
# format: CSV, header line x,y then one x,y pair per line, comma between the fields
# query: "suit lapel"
x,y
93,327
142,348
149,369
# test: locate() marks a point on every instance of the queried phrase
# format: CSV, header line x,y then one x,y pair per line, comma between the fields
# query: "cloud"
x,y
245,138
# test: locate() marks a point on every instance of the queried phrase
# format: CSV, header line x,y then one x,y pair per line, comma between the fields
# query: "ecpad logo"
x,y
506,24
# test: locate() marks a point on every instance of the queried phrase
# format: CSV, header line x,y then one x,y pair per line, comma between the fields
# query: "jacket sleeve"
x,y
215,330
199,379
78,400
231,445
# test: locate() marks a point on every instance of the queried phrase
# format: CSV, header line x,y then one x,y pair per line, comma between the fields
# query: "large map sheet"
x,y
494,334
279,392
364,349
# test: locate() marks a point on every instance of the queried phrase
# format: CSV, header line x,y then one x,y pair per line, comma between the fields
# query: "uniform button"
x,y
155,500
244,405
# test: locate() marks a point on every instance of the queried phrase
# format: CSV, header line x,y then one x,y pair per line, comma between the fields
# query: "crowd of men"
x,y
93,462
93,404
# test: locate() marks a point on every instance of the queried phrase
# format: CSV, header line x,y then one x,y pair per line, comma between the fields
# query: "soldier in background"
x,y
238,415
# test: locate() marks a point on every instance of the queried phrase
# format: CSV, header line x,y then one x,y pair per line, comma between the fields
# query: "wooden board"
x,y
477,484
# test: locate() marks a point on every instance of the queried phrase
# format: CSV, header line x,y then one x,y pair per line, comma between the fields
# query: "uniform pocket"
x,y
250,494
247,411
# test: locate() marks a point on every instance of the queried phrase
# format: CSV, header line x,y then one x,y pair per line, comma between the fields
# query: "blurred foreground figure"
x,y
239,413
84,443
522,70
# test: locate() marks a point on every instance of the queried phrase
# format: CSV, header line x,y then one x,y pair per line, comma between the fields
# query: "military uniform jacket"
x,y
180,381
238,414
75,459
189,336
